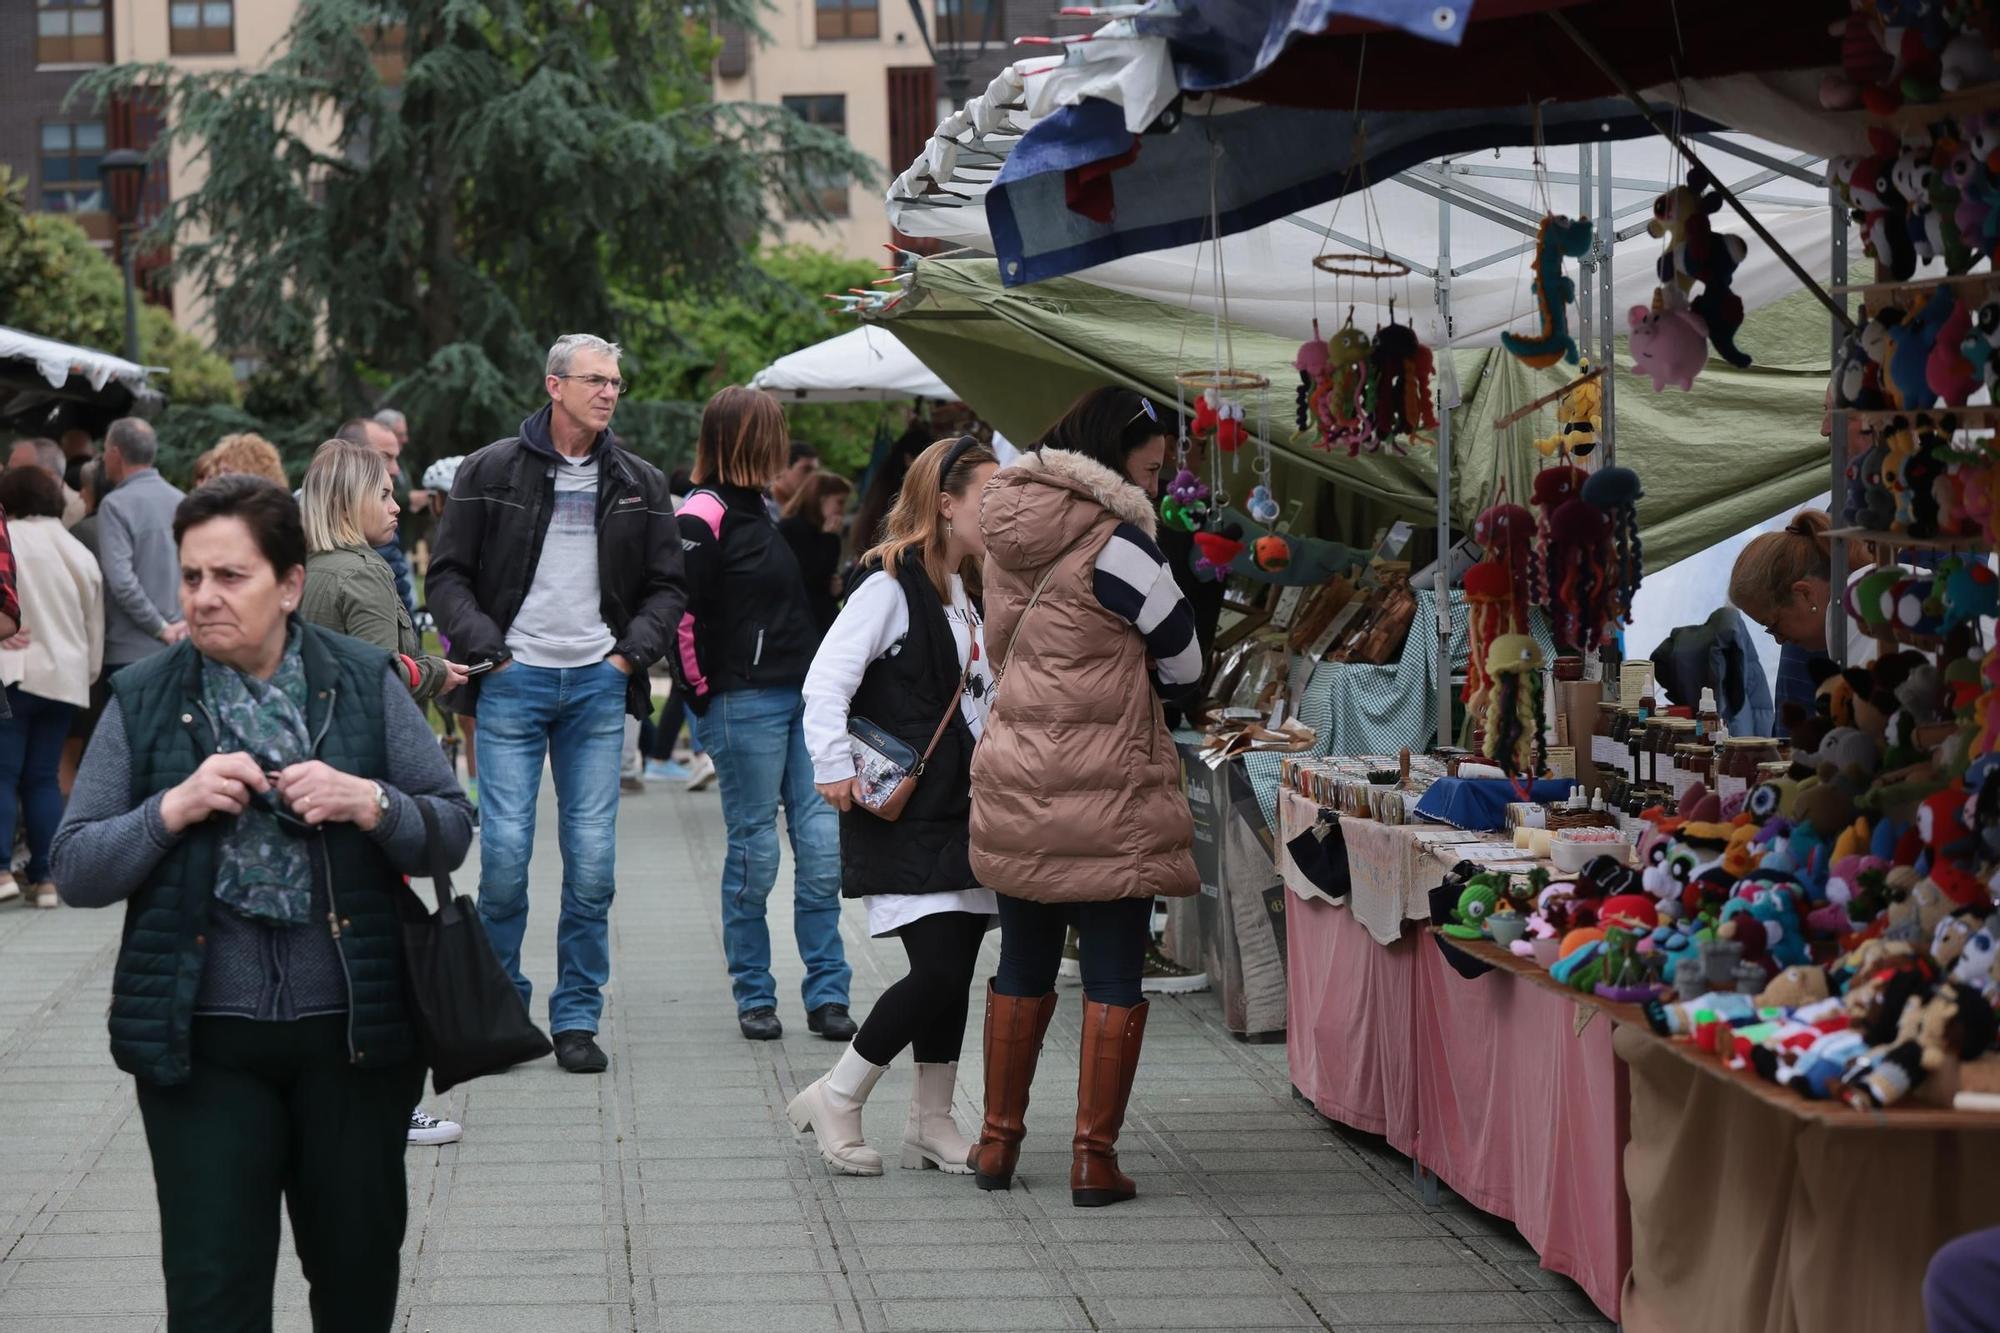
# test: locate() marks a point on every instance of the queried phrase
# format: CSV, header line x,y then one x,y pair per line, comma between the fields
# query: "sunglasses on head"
x,y
1147,410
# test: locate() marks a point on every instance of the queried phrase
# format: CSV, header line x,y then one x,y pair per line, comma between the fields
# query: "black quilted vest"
x,y
159,965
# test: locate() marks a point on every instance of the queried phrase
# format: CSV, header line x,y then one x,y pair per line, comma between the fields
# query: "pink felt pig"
x,y
1669,345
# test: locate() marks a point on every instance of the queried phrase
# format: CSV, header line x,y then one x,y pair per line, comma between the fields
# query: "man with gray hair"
x,y
135,537
48,456
416,501
557,572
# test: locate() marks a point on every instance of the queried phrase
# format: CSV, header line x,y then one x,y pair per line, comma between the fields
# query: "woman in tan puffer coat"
x,y
1078,816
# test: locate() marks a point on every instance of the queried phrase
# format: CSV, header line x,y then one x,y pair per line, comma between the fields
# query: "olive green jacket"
x,y
352,590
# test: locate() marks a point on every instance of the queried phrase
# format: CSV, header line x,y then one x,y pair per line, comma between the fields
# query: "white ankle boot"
x,y
830,1107
931,1137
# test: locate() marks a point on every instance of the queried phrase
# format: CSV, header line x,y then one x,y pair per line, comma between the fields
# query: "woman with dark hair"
x,y
255,795
48,678
907,656
745,643
885,483
1077,810
813,519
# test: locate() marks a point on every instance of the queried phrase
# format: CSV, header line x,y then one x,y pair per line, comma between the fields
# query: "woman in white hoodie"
x,y
62,623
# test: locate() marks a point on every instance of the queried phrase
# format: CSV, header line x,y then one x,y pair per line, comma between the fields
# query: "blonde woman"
x,y
350,508
907,654
248,454
1783,581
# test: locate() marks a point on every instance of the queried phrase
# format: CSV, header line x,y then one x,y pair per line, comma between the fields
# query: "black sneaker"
x,y
761,1025
831,1021
579,1053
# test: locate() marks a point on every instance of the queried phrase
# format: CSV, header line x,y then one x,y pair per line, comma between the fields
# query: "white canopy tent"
x,y
864,365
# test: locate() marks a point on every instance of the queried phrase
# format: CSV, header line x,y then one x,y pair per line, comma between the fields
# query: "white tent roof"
x,y
56,361
863,365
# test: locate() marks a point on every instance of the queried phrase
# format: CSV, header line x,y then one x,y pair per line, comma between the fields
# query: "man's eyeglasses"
x,y
597,383
1147,410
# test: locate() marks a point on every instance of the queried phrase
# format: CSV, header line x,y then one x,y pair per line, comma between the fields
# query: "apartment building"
x,y
862,67
46,46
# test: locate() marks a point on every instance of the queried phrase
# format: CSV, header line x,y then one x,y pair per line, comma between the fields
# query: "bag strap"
x,y
950,709
440,873
1000,669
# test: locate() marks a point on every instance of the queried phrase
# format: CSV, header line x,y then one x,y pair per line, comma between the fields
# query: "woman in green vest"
x,y
254,795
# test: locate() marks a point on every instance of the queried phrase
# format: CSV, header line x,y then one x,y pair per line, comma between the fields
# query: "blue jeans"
x,y
758,742
575,718
31,746
1111,939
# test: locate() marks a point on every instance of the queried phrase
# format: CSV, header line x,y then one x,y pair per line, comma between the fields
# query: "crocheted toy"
x,y
1215,550
1514,704
1262,505
1349,413
1971,592
1185,505
1507,532
1554,487
1863,62
1913,34
1393,359
1868,188
1617,491
1582,574
1271,553
1948,371
1558,237
1910,349
1315,382
1489,602
1698,254
1219,419
1579,417
1669,343
1475,903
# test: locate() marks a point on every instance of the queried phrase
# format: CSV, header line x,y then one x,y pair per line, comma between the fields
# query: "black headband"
x,y
965,444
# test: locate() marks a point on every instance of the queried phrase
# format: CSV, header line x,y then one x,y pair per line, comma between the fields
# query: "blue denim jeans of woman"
x,y
31,746
1111,943
572,718
757,740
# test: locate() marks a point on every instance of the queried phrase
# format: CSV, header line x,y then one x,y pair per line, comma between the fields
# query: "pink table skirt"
x,y
1486,1083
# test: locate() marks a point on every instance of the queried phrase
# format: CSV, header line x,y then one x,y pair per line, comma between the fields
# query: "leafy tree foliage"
x,y
420,195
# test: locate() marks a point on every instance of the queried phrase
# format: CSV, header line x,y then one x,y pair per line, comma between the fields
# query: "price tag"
x,y
1288,606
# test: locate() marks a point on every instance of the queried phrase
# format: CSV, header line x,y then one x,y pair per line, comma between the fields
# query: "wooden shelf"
x,y
1870,290
1914,543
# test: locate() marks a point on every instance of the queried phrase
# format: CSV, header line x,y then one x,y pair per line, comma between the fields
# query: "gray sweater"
x,y
142,569
107,847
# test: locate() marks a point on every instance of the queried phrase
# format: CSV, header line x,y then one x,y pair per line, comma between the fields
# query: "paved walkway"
x,y
671,1194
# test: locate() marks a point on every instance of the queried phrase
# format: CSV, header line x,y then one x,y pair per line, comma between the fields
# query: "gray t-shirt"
x,y
560,623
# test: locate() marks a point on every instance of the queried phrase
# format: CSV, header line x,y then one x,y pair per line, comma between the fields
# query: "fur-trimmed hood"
x,y
1043,503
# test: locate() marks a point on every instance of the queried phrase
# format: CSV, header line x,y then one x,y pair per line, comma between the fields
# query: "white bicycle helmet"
x,y
439,475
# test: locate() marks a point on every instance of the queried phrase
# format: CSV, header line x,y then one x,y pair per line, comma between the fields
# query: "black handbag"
x,y
470,1020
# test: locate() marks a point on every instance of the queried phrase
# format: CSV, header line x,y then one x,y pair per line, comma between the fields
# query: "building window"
x,y
843,19
71,32
828,111
201,27
967,22
71,150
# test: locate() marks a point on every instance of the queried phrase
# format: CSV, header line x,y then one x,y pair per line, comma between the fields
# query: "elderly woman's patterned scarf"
x,y
265,872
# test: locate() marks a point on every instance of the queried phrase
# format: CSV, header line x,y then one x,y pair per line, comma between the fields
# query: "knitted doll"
x,y
1617,491
1514,704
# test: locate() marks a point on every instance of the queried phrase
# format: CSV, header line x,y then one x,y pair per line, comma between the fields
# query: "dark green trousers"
x,y
275,1110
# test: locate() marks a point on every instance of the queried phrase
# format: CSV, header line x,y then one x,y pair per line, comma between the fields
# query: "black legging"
x,y
926,1009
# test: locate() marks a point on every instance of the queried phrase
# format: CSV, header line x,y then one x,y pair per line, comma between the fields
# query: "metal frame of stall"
x,y
1450,181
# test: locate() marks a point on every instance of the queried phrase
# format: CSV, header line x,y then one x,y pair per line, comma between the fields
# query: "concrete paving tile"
x,y
767,1259
518,1319
539,1290
1203,1312
1173,1282
944,1258
713,1288
553,1236
1338,1278
987,1316
18,1301
935,1231
1007,1284
592,1262
730,1235
749,1318
1432,1307
1339,1226
83,1271
1131,1255
1116,1226
87,1323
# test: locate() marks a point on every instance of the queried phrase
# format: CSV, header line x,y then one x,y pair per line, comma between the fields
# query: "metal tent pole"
x,y
1607,330
1586,293
1836,639
1442,284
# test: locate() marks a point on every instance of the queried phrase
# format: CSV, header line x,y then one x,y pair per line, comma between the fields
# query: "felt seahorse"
x,y
1558,238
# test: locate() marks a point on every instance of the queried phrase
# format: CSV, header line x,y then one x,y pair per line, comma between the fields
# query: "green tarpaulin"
x,y
1744,445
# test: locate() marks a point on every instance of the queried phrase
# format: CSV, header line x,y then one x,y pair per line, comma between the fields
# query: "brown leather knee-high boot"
x,y
1111,1041
1015,1026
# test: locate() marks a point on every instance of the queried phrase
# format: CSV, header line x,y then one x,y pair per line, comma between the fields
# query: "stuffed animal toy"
x,y
1912,32
1948,371
1617,491
1768,928
1944,835
1942,199
1856,383
1185,505
1978,961
1489,596
1582,564
1913,341
1271,553
1393,358
1349,415
1816,1072
1863,62
1965,171
1980,341
1553,488
1953,1024
1314,365
1507,532
1965,59
1870,191
1475,904
1971,592
1557,238
1796,987
1698,253
1669,344
1513,704
1579,418
1911,176
1262,505
1215,550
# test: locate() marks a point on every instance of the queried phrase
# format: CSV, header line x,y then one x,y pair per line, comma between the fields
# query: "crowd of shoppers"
x,y
250,668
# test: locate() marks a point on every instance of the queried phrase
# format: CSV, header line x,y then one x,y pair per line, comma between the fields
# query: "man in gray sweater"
x,y
135,534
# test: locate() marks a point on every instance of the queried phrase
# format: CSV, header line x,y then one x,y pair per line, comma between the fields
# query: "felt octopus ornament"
x,y
1578,562
1579,417
1489,601
1402,367
1558,238
1507,532
1315,367
1185,505
1617,491
1513,717
1348,416
1554,487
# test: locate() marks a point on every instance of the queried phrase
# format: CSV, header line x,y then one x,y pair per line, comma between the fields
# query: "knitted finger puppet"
x,y
1669,344
1514,704
1557,238
1185,505
1554,487
1617,491
1507,532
